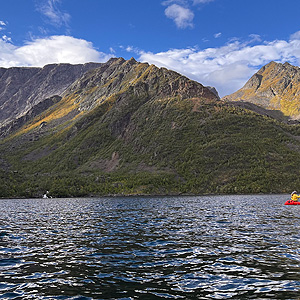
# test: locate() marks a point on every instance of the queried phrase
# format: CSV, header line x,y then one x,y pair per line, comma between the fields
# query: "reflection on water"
x,y
225,247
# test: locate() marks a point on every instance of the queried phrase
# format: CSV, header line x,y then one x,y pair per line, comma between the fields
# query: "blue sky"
x,y
220,43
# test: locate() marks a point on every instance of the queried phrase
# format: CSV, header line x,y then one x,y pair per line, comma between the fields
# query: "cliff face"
x,y
275,86
84,87
23,88
126,85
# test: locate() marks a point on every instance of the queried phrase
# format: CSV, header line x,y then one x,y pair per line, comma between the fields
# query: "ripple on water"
x,y
229,247
10,262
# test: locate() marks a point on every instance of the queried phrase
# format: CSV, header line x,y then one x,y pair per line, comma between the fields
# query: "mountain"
x,y
275,86
23,88
127,127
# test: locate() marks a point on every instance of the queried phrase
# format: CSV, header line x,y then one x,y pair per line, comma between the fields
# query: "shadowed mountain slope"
x,y
23,88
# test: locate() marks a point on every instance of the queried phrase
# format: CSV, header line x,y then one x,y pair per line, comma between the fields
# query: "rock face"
x,y
275,86
82,88
23,88
119,76
30,114
25,92
213,89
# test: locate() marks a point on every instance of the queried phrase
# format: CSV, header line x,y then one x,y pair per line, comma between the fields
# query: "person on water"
x,y
294,196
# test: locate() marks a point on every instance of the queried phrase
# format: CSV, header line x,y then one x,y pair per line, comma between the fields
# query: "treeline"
x,y
255,181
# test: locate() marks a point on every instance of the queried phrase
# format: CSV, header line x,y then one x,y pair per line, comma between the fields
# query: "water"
x,y
225,247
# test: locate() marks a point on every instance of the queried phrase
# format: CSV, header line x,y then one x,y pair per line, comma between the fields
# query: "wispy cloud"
x,y
5,38
227,67
2,25
295,36
170,2
181,11
195,2
50,9
132,49
54,49
183,17
255,38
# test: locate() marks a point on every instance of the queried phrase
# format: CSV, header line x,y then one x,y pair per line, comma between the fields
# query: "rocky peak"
x,y
275,86
121,76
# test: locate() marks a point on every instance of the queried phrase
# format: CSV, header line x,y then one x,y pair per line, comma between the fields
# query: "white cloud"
x,y
129,49
183,17
54,49
255,38
5,38
54,15
217,35
295,36
2,25
228,67
169,2
180,11
195,2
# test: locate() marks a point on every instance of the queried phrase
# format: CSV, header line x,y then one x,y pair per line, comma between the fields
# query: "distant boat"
x,y
291,202
46,196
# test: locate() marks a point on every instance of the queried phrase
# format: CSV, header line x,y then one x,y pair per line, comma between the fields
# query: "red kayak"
x,y
291,202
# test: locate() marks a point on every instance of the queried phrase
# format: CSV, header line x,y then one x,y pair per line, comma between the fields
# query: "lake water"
x,y
218,247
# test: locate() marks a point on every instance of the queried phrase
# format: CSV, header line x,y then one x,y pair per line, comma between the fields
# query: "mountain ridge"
x,y
132,128
87,84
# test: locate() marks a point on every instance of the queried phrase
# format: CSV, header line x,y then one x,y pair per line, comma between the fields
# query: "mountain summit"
x,y
275,86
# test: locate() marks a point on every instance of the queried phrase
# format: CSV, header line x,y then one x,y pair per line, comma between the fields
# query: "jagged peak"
x,y
116,60
132,60
121,60
273,65
287,64
275,69
270,65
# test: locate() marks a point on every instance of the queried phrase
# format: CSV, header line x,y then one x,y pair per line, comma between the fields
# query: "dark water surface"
x,y
224,247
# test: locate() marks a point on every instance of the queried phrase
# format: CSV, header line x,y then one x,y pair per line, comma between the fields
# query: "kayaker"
x,y
294,196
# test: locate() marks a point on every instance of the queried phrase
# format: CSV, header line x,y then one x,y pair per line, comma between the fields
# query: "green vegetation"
x,y
158,147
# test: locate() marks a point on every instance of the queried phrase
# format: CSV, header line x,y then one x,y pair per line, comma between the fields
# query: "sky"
x,y
219,43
